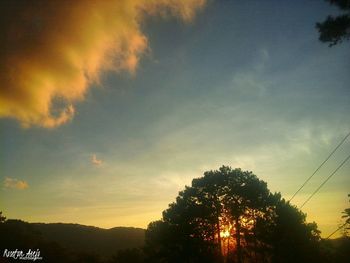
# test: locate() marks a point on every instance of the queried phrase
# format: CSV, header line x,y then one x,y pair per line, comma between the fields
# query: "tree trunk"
x,y
238,240
219,237
228,249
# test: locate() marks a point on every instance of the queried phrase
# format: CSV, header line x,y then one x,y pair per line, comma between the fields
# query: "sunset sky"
x,y
107,110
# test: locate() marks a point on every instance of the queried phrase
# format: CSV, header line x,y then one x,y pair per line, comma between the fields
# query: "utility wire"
x,y
319,167
325,181
337,230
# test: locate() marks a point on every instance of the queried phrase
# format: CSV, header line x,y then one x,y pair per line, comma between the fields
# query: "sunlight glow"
x,y
225,233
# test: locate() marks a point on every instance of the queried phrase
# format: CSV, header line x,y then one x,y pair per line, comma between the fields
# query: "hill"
x,y
336,250
92,239
70,238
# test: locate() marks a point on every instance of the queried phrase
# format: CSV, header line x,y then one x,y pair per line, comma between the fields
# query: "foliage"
x,y
346,217
336,29
2,218
291,237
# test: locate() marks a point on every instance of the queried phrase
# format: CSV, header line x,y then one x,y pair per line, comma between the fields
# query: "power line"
x,y
336,230
319,167
325,181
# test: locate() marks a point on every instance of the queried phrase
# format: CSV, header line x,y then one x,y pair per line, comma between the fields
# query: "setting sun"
x,y
225,233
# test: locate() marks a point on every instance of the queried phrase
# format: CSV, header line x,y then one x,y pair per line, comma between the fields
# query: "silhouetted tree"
x,y
290,237
230,215
241,200
336,29
2,218
346,216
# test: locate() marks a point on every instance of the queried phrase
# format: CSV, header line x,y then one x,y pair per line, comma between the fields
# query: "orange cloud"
x,y
52,51
15,184
95,161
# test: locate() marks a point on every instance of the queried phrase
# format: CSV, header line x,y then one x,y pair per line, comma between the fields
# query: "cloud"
x,y
95,161
15,183
53,51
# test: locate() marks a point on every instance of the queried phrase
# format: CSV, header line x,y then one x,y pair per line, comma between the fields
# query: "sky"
x,y
107,110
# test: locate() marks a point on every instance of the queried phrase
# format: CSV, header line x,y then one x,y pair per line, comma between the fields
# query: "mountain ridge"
x,y
73,237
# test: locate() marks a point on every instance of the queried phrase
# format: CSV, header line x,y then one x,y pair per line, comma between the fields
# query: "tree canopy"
x,y
346,217
336,29
229,215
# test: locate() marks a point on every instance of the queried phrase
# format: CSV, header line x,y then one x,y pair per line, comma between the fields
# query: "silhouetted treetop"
x,y
336,29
